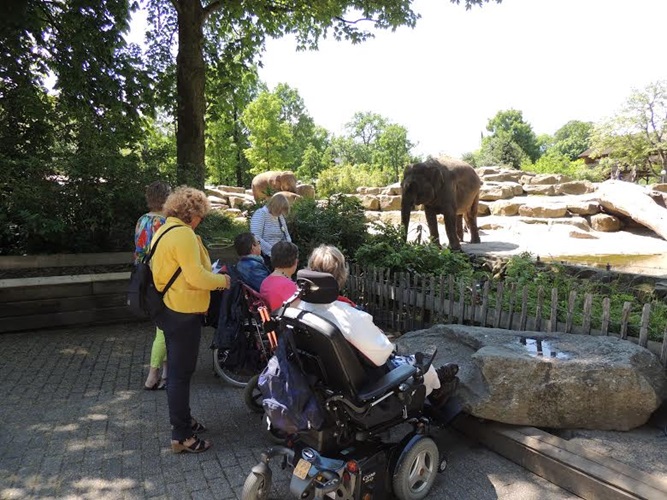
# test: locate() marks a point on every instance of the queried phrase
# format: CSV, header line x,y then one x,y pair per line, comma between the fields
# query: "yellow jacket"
x,y
181,247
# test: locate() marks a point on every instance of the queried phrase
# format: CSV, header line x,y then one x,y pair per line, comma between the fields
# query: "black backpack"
x,y
143,299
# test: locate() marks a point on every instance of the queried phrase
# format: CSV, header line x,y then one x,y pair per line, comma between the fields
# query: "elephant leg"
x,y
450,228
432,221
459,227
471,221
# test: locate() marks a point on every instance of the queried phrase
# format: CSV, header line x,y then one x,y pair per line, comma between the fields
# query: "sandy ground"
x,y
636,251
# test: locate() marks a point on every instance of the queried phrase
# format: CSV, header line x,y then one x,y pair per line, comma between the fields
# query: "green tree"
x,y
637,134
572,139
364,130
393,149
241,28
270,136
509,125
500,149
231,86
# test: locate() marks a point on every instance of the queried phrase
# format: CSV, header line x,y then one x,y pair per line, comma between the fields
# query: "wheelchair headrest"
x,y
318,288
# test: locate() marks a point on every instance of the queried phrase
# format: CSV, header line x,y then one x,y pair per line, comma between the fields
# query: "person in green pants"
x,y
147,225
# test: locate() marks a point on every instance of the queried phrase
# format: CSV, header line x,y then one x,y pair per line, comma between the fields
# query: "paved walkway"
x,y
76,424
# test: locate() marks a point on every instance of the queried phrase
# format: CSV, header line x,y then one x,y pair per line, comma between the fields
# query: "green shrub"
x,y
338,221
387,249
347,178
219,227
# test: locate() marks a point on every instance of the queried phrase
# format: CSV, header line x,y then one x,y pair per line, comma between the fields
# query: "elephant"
x,y
272,181
444,186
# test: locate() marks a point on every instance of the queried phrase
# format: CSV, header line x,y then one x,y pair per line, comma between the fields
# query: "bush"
x,y
219,227
387,249
347,178
339,221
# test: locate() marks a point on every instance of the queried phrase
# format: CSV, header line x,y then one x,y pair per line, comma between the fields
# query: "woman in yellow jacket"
x,y
186,302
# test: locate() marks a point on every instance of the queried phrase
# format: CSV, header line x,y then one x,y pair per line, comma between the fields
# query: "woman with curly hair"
x,y
181,253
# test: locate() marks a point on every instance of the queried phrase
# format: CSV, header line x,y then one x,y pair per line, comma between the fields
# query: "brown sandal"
x,y
197,446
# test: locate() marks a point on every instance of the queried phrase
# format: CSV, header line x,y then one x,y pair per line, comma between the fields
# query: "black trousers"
x,y
182,333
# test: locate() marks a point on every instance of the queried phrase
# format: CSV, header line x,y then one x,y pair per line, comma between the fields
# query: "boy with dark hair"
x,y
251,265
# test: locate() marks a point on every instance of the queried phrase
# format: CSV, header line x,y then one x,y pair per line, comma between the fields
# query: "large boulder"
x,y
548,380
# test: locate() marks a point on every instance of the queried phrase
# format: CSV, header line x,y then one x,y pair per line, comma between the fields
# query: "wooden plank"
x,y
89,317
654,481
462,294
510,318
643,330
60,304
571,301
553,317
588,304
65,260
499,305
578,474
605,316
485,303
450,314
524,309
625,316
473,302
538,310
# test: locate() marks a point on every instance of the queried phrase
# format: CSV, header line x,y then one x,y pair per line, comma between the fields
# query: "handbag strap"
x,y
149,256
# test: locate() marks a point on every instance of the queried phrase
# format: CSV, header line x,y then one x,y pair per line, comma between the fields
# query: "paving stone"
x,y
76,424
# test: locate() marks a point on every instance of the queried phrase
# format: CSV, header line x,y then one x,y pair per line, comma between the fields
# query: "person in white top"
x,y
358,328
268,224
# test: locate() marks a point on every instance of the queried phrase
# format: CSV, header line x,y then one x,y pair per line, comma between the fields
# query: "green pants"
x,y
159,350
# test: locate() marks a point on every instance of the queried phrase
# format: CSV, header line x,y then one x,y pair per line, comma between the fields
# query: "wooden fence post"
x,y
625,316
588,303
538,311
450,314
462,296
571,301
485,303
553,317
499,304
605,316
643,330
510,319
524,309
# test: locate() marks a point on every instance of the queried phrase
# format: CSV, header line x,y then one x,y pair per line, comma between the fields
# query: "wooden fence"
x,y
404,302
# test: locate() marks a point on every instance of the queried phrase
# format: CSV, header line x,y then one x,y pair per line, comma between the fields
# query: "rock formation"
x,y
548,380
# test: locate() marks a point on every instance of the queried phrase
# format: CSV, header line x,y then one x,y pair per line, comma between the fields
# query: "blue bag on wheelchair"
x,y
289,400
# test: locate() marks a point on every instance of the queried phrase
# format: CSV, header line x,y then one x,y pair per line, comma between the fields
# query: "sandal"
x,y
197,427
197,446
153,387
162,385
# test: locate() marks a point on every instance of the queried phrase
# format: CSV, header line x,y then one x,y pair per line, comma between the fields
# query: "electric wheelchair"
x,y
355,454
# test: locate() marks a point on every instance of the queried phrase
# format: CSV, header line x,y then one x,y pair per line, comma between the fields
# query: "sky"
x,y
554,60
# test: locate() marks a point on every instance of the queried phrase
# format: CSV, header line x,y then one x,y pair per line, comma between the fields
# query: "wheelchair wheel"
x,y
233,376
252,395
256,487
416,473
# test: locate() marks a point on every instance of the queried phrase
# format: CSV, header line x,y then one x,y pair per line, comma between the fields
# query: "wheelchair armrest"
x,y
389,381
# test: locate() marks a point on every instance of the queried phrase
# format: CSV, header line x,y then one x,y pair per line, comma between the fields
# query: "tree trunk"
x,y
190,84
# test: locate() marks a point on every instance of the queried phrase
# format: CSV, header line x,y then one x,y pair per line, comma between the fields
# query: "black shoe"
x,y
447,373
439,397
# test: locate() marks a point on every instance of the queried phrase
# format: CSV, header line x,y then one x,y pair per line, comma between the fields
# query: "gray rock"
x,y
578,381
